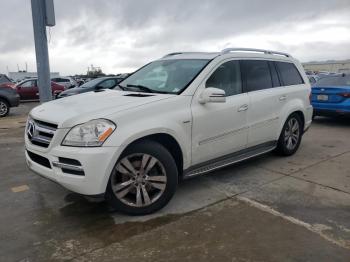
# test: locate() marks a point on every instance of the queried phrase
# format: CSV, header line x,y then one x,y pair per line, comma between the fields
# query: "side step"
x,y
233,158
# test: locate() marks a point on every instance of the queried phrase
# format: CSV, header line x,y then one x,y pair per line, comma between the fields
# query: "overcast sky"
x,y
122,35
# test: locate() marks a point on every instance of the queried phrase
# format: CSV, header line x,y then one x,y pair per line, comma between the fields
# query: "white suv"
x,y
183,115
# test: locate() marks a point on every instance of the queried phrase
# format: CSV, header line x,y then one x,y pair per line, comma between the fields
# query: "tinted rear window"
x,y
289,74
256,75
334,81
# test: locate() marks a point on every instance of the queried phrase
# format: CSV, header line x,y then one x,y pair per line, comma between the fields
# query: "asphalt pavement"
x,y
269,208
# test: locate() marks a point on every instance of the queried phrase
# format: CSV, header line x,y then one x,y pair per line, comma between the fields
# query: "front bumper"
x,y
14,100
97,164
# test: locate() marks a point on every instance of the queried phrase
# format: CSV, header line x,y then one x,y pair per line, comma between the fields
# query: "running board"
x,y
224,161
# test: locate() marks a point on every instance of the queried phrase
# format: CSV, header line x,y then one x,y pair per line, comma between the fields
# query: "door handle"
x,y
282,98
243,108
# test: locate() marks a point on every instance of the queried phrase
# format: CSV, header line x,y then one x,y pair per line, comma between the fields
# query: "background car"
x,y
312,79
28,89
331,96
8,98
96,84
8,85
67,82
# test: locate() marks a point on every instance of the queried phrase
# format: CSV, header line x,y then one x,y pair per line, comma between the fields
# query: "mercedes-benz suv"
x,y
183,115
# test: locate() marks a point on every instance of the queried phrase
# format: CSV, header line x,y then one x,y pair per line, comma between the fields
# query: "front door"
x,y
220,128
26,90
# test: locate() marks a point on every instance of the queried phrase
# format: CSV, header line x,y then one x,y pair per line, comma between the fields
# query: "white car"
x,y
67,82
206,111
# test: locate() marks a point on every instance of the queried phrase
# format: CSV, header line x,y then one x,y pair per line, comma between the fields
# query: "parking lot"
x,y
266,209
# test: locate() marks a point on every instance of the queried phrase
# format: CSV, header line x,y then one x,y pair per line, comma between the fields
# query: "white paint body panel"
x,y
203,131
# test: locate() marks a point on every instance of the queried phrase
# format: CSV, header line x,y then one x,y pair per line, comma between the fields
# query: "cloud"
x,y
122,35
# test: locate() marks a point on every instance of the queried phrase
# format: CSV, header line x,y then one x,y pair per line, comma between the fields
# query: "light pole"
x,y
43,15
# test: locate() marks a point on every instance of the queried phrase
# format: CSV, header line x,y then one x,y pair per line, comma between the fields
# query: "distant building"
x,y
18,76
340,66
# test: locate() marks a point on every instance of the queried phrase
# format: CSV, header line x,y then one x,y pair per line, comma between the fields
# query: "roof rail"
x,y
171,54
182,53
269,52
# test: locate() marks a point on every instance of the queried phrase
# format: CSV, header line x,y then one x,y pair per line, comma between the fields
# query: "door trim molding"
x,y
220,136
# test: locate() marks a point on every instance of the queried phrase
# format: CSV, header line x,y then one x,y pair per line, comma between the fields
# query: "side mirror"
x,y
99,87
212,95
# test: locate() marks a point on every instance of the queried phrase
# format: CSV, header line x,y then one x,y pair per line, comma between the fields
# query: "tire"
x,y
289,141
153,169
4,108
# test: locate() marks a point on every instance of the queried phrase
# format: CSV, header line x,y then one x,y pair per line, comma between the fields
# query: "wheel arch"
x,y
169,142
6,100
299,112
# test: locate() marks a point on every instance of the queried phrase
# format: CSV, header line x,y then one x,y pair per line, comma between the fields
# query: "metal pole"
x,y
41,51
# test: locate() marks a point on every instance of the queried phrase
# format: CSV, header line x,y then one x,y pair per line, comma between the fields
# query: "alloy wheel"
x,y
139,180
3,108
292,134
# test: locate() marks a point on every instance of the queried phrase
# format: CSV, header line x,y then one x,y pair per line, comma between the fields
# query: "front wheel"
x,y
290,138
143,180
4,108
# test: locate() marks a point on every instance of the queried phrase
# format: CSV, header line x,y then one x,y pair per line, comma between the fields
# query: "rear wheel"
x,y
291,135
143,180
4,108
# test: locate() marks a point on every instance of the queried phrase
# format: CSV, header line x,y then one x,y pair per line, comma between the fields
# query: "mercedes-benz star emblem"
x,y
30,129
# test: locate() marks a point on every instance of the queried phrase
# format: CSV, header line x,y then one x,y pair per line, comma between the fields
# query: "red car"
x,y
8,85
28,89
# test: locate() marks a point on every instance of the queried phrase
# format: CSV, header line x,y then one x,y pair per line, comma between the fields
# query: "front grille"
x,y
40,133
39,159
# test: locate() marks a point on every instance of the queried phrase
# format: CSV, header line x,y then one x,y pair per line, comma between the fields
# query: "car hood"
x,y
74,91
74,110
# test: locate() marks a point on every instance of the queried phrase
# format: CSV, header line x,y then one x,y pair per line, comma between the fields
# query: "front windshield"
x,y
92,83
167,76
334,81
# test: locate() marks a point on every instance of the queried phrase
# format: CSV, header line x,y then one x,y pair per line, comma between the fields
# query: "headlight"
x,y
92,133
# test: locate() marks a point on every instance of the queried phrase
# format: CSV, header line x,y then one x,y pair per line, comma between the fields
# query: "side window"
x,y
227,77
28,84
289,74
274,76
108,83
256,75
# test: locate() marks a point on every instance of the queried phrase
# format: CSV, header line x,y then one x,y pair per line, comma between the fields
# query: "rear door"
x,y
261,82
35,90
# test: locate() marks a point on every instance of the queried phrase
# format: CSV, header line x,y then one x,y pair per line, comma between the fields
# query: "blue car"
x,y
331,96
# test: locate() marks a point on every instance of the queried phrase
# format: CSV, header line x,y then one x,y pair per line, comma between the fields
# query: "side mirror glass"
x,y
212,95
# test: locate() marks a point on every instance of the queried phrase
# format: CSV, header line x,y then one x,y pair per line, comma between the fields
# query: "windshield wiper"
x,y
121,87
142,88
147,89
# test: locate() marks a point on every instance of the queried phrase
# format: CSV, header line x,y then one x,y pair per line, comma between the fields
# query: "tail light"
x,y
347,95
310,97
